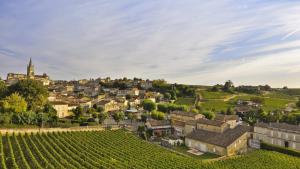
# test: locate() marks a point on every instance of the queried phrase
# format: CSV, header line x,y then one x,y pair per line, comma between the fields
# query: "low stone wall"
x,y
46,130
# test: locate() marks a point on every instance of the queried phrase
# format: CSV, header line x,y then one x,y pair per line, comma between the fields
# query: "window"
x,y
286,144
295,137
286,135
279,134
272,141
271,133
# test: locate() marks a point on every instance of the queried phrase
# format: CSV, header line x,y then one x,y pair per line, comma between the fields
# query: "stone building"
x,y
13,78
280,134
179,119
216,137
61,109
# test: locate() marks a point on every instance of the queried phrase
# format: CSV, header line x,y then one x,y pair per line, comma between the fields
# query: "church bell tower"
x,y
30,70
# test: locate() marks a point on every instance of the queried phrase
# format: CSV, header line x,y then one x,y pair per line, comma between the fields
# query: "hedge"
x,y
280,149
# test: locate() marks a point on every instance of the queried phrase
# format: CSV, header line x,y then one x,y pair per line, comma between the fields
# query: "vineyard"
x,y
115,149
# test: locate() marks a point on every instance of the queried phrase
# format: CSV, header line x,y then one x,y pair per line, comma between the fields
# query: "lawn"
x,y
280,95
185,101
217,105
275,103
214,95
205,156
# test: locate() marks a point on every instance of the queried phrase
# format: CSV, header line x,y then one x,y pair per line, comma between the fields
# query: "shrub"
x,y
280,149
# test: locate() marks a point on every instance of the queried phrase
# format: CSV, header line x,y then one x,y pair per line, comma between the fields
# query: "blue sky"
x,y
190,41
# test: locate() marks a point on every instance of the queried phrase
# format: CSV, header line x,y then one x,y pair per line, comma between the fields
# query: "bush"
x,y
91,120
74,121
158,115
280,149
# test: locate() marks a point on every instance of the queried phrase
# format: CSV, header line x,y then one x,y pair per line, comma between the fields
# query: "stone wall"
x,y
46,130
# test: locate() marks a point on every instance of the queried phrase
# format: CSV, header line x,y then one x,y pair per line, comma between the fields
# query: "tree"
x,y
33,91
167,95
228,86
78,111
15,104
52,114
144,117
262,115
163,107
90,110
149,105
298,103
118,116
132,116
157,115
102,116
229,111
3,89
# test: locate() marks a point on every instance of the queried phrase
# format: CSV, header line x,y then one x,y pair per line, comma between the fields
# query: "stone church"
x,y
13,78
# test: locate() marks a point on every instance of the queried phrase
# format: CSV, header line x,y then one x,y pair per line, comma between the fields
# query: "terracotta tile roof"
x,y
220,139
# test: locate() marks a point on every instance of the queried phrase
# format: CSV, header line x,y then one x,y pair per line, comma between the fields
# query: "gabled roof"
x,y
210,122
280,126
220,139
157,123
221,117
183,113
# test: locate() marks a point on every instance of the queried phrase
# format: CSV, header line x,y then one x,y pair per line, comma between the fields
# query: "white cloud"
x,y
199,42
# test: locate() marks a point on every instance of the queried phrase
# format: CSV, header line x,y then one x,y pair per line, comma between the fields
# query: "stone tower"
x,y
30,70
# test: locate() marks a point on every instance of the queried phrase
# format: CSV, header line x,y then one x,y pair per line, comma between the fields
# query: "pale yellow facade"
x,y
62,110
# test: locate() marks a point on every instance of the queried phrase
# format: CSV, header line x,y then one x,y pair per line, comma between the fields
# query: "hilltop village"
x,y
223,119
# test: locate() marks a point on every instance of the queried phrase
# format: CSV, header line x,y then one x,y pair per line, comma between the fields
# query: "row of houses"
x,y
225,135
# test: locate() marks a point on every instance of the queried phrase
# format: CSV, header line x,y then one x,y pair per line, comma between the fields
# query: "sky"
x,y
250,42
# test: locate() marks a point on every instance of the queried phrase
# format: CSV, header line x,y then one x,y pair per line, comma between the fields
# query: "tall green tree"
x,y
3,89
102,116
14,104
33,91
78,111
118,116
149,105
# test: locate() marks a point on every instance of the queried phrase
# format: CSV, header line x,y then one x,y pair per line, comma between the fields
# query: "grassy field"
x,y
214,95
273,100
185,101
274,103
117,149
217,105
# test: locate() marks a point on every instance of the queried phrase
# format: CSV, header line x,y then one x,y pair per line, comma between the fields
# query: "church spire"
x,y
30,70
30,62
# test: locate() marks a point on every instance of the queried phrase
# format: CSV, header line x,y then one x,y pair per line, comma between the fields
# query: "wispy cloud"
x,y
198,42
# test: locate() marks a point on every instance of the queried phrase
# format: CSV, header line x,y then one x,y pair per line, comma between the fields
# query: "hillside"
x,y
115,149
